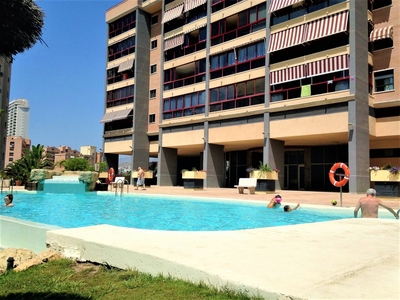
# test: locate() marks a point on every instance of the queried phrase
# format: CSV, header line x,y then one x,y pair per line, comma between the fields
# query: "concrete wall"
x,y
16,233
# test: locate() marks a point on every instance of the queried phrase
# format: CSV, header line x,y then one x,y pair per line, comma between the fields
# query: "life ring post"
x,y
342,181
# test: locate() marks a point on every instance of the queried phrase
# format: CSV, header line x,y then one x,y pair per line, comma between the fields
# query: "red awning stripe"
x,y
287,38
381,33
174,42
172,13
288,74
279,4
327,26
191,4
328,65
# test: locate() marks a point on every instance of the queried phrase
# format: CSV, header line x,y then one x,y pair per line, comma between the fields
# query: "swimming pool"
x,y
158,212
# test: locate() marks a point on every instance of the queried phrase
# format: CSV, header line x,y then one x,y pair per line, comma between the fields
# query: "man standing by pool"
x,y
140,180
370,205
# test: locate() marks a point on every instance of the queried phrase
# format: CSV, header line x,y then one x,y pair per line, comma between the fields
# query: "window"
x,y
154,19
152,118
384,81
153,93
153,69
154,44
383,44
382,3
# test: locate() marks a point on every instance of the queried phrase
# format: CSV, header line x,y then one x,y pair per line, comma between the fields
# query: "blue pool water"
x,y
157,212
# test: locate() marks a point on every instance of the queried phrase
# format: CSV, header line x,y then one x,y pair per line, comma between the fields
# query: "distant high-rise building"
x,y
5,75
18,118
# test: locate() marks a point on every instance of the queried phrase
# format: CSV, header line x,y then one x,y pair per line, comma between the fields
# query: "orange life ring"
x,y
346,174
111,174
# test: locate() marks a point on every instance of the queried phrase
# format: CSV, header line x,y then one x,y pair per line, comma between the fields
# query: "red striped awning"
x,y
172,13
287,74
191,4
381,33
279,4
174,42
327,26
286,38
328,65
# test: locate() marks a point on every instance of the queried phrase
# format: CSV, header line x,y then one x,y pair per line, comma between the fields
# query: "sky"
x,y
64,81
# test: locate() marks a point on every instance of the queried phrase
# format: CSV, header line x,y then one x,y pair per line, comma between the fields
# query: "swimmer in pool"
x,y
287,208
8,199
275,202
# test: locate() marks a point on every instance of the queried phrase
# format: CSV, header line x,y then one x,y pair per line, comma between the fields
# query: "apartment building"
x,y
15,148
224,85
18,118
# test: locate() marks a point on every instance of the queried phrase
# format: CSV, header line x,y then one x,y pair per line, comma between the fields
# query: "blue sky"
x,y
64,81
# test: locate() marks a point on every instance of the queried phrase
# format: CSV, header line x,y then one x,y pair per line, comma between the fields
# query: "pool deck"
x,y
345,259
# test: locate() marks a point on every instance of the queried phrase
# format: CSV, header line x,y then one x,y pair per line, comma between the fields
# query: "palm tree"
x,y
21,23
33,159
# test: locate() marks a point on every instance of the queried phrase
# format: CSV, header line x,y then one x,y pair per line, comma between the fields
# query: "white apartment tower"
x,y
18,118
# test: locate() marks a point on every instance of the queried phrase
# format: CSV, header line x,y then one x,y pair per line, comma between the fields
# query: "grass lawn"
x,y
65,279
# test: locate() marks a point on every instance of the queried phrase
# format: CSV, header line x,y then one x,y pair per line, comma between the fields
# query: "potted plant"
x,y
194,174
386,173
264,171
18,180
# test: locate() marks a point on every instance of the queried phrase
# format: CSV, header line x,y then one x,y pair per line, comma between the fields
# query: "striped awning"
x,y
122,114
238,45
174,42
381,33
286,38
279,4
115,115
191,4
328,65
172,13
327,26
126,65
108,117
288,74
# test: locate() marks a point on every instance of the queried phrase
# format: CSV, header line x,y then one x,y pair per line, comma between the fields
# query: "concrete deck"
x,y
345,259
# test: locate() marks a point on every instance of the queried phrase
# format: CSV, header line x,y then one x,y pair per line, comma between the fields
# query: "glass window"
x,y
153,69
260,85
173,103
253,15
202,34
214,62
179,102
251,51
154,19
242,55
195,97
188,100
261,49
240,87
153,44
262,12
222,93
384,81
382,3
250,87
231,92
202,97
166,104
214,95
153,93
231,58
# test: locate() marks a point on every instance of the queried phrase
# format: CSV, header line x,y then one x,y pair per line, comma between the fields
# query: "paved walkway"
x,y
345,259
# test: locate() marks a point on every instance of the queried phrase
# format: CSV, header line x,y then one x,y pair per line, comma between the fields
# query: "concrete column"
x,y
167,167
215,166
140,140
274,155
359,108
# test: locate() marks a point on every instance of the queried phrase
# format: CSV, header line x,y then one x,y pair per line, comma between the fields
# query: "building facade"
x,y
223,85
18,118
5,78
15,148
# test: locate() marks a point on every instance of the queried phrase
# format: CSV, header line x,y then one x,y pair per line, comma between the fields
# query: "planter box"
x,y
146,174
384,176
194,175
264,175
